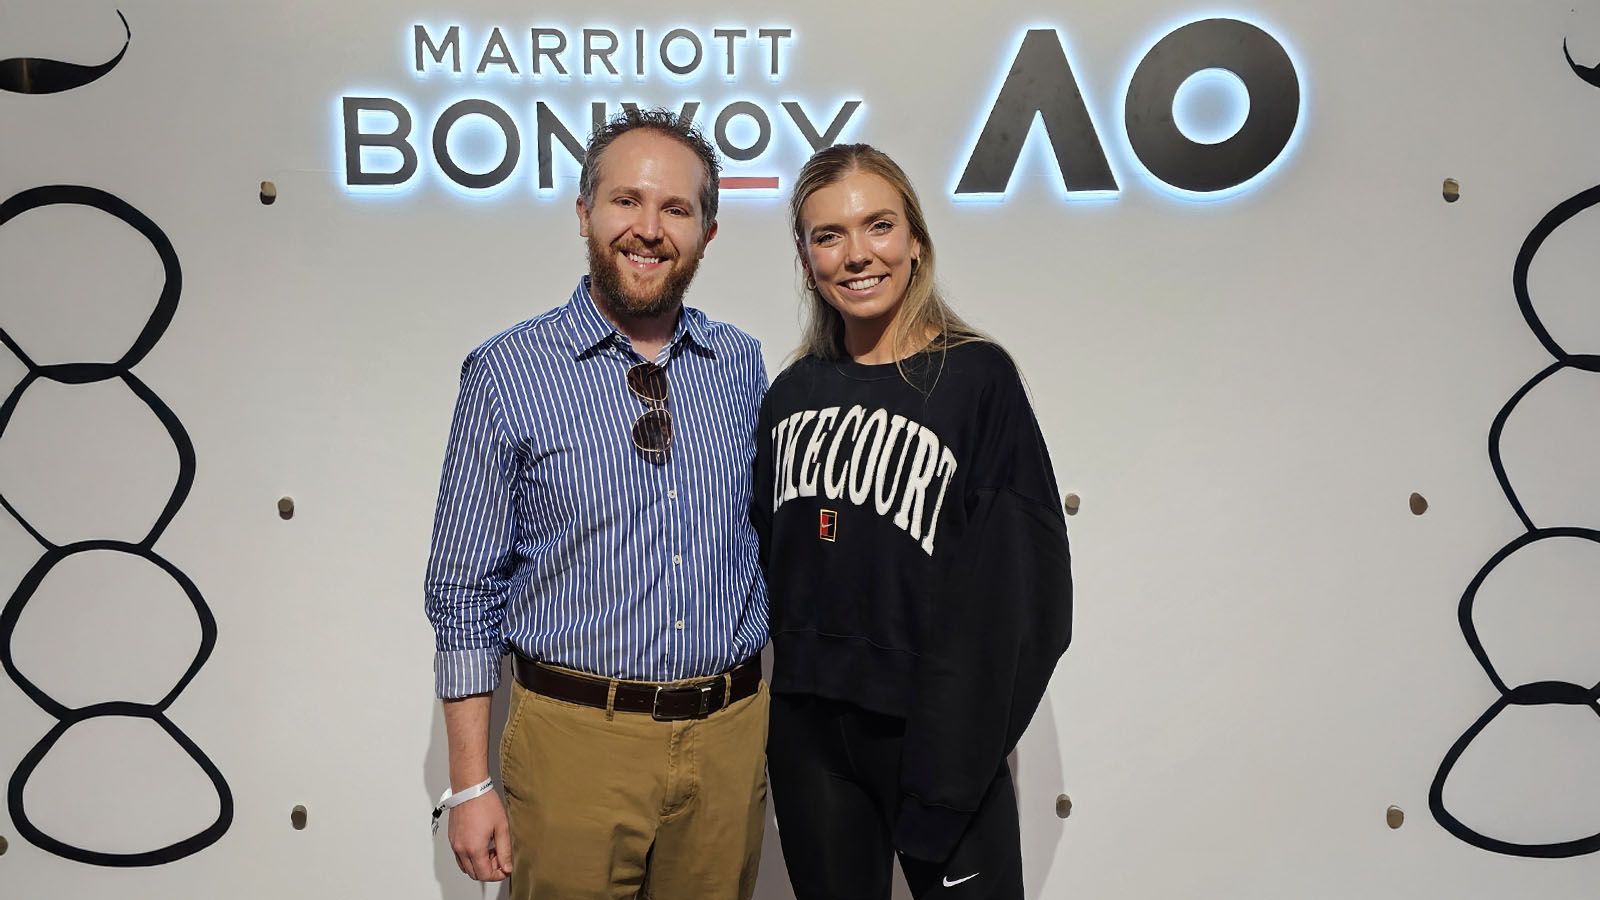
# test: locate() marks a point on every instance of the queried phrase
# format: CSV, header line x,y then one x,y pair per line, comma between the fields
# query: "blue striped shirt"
x,y
555,537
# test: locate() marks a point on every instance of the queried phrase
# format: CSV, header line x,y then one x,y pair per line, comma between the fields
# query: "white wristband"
x,y
448,800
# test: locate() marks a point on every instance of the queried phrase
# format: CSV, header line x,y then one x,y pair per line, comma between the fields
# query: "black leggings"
x,y
835,775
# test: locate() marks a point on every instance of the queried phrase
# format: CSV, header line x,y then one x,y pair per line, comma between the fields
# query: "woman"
x,y
916,560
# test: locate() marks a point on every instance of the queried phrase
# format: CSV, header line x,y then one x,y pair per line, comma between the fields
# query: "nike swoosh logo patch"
x,y
949,883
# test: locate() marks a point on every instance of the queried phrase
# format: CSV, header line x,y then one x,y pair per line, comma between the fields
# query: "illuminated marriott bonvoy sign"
x,y
743,129
1248,89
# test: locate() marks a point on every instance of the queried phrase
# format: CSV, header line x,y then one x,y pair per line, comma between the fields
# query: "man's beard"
x,y
606,272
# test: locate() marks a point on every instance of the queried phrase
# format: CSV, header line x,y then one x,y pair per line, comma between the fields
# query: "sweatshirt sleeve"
x,y
761,482
995,631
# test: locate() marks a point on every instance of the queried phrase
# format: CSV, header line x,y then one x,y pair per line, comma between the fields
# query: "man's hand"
x,y
481,838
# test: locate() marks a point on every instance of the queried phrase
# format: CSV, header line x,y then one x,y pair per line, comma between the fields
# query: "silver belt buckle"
x,y
703,690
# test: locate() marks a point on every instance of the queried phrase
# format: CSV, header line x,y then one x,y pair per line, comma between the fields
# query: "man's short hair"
x,y
664,122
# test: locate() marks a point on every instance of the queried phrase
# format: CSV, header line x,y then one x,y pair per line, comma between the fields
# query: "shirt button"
x,y
672,494
676,559
678,625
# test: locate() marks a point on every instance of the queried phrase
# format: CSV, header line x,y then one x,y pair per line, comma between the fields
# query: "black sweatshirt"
x,y
916,561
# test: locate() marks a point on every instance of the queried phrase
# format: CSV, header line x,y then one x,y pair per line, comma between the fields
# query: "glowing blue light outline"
x,y
637,77
343,172
604,76
834,108
982,119
501,72
760,167
474,117
625,45
558,151
428,170
794,36
1238,96
421,137
666,74
553,77
775,162
777,193
748,38
772,127
460,190
1260,178
361,153
410,57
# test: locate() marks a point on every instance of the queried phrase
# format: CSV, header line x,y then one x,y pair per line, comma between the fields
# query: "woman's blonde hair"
x,y
923,308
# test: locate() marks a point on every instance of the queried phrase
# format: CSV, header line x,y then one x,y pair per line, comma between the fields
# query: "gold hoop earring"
x,y
811,283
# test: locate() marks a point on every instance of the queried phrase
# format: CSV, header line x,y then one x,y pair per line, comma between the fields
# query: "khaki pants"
x,y
620,805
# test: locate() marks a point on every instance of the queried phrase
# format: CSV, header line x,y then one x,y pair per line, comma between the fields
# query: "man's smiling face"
x,y
646,232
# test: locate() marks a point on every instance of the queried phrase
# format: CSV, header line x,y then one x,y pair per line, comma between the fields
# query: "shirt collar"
x,y
593,329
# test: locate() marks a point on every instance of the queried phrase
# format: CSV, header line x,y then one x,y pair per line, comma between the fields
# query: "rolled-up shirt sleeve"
x,y
474,538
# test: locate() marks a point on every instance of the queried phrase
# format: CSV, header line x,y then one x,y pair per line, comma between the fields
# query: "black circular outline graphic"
x,y
1555,218
85,373
1590,74
67,717
1498,428
1539,693
1544,693
166,304
35,75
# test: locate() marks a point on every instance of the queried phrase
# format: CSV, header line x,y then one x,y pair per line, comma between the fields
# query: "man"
x,y
593,521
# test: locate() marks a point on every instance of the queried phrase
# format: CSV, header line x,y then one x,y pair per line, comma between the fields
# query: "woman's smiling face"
x,y
858,248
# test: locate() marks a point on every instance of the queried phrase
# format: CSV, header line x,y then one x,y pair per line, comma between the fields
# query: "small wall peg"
x,y
1063,806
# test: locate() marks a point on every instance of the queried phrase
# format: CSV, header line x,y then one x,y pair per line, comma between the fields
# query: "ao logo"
x,y
1041,83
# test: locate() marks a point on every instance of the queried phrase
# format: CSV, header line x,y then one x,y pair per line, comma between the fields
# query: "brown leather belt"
x,y
664,702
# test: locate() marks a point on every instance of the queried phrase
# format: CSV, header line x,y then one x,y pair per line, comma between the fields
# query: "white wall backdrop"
x,y
1244,392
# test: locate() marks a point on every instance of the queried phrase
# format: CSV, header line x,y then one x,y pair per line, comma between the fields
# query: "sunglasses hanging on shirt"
x,y
652,431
